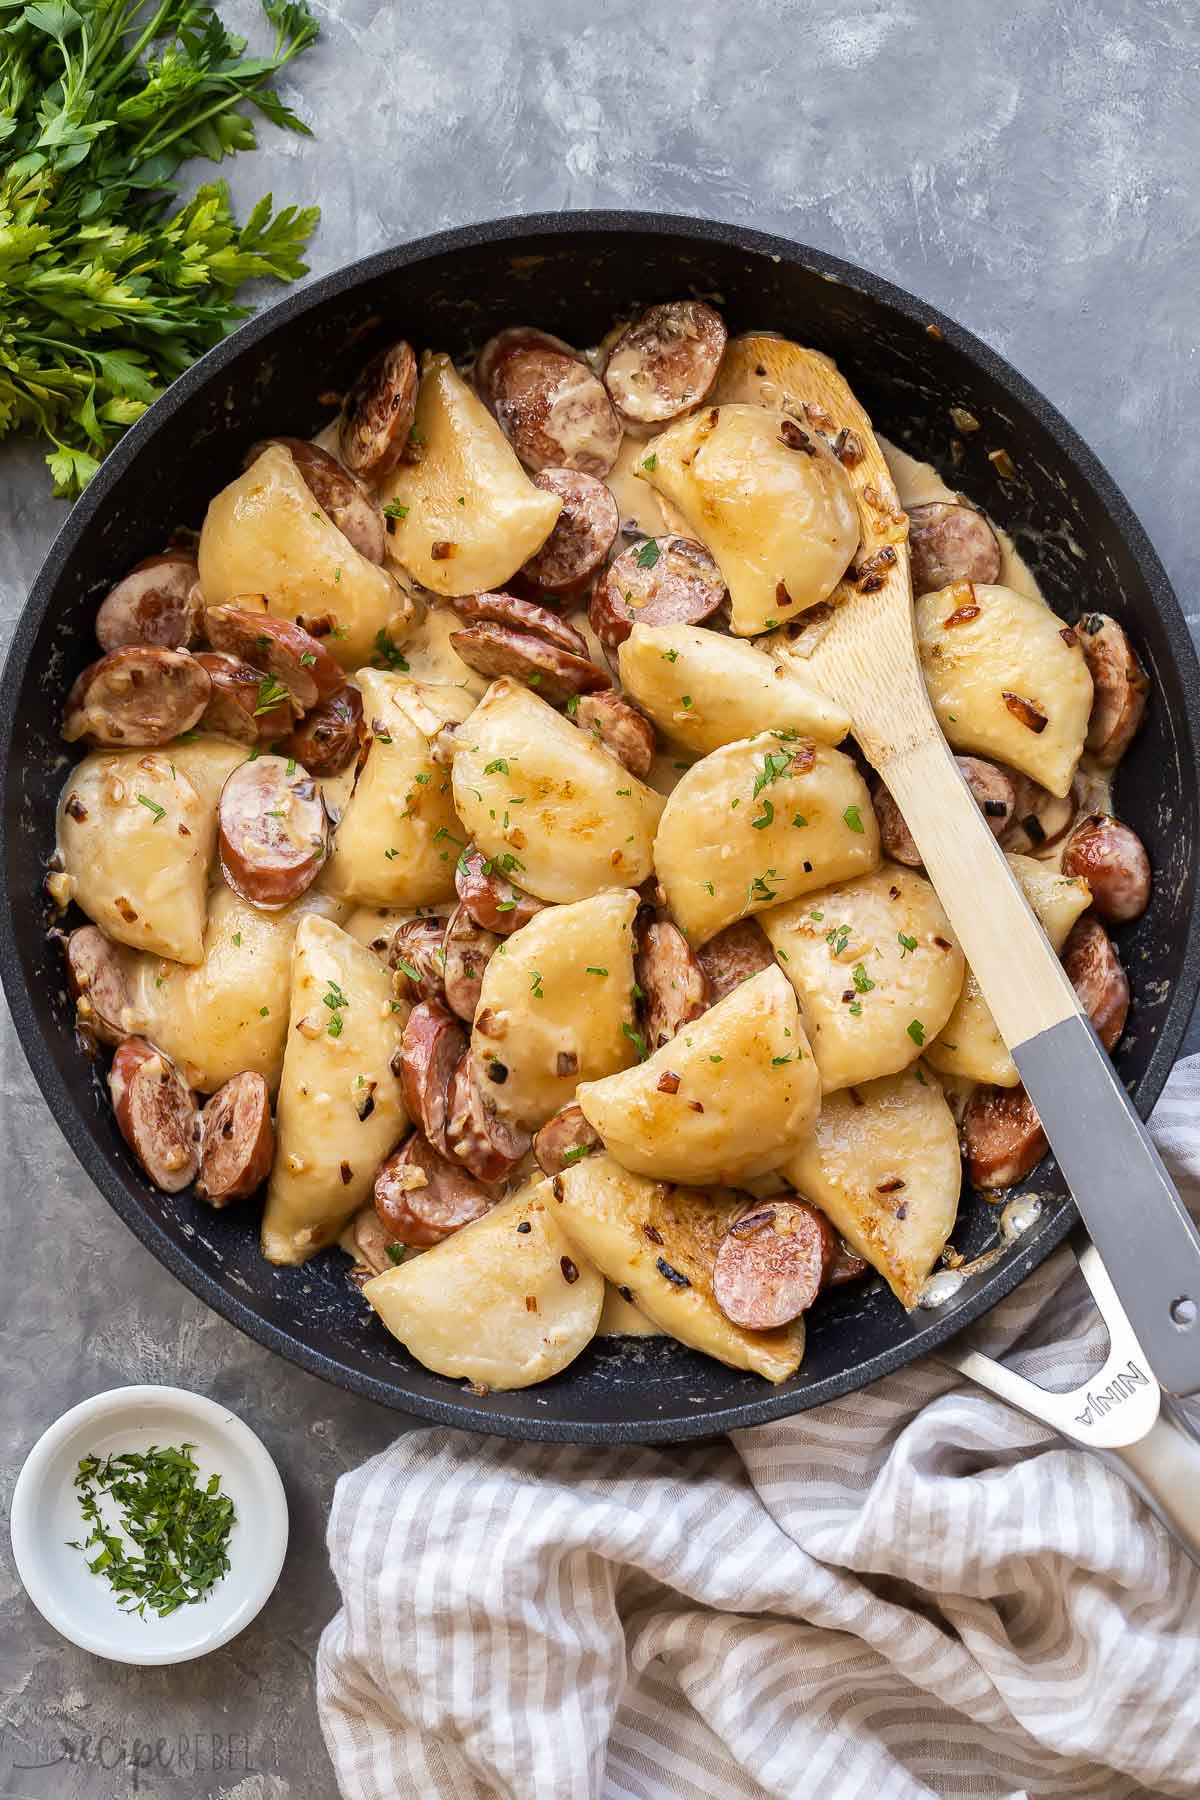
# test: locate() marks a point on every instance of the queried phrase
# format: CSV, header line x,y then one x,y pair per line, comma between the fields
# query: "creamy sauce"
x,y
918,484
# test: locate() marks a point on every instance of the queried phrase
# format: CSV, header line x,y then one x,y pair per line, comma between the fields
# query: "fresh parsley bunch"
x,y
108,289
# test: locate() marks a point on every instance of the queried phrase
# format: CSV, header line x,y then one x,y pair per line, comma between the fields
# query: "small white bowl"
x,y
46,1515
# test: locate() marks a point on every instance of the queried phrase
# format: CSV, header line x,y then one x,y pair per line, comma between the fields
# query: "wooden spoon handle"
x,y
1127,1200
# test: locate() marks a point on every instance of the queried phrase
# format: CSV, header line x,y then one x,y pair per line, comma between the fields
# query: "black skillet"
x,y
572,274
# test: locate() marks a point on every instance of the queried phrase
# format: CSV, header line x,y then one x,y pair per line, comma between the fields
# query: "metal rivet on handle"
x,y
1184,1311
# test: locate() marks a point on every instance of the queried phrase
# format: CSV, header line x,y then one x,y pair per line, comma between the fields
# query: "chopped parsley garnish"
x,y
651,461
764,818
648,555
638,1042
536,986
818,916
394,510
387,653
916,1032
838,938
855,1009
685,700
670,656
906,944
237,939
775,764
799,821
335,1000
853,818
572,706
592,971
179,1529
391,854
759,890
577,1154
499,767
397,1252
862,981
160,812
309,660
271,693
264,1012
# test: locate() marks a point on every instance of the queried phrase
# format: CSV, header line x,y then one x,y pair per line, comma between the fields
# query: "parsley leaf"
x,y
916,1032
648,555
853,818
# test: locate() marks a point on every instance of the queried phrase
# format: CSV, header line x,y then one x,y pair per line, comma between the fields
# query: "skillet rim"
x,y
79,1131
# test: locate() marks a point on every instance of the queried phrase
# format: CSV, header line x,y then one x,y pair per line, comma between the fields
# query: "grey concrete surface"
x,y
1031,168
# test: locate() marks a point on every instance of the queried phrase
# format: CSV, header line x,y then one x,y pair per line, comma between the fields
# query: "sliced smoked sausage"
x,y
416,957
948,542
665,363
347,502
295,660
243,704
1095,972
583,534
625,732
563,1140
475,1134
97,983
466,951
771,1263
156,1112
554,411
431,1046
328,738
555,674
272,831
1120,687
377,414
421,1198
673,984
507,343
1112,860
1002,1137
137,698
733,956
521,615
490,898
237,1140
155,604
661,581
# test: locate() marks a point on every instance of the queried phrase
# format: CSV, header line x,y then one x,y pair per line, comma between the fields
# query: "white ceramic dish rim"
x,y
256,1564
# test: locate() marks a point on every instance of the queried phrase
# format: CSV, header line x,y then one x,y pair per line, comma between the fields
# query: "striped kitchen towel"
x,y
913,1591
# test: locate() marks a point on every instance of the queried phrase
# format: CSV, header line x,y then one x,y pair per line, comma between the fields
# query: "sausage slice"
x,y
521,615
272,831
1096,974
377,414
156,1112
432,1043
555,674
156,604
466,951
565,1139
97,985
348,502
328,738
583,534
733,956
624,731
490,898
1002,1137
421,1198
948,542
554,411
237,1141
1112,860
476,1136
243,704
1120,687
295,661
672,981
994,792
661,581
771,1263
416,956
137,697
665,363
507,343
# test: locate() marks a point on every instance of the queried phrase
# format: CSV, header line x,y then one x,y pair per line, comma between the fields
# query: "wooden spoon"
x,y
864,655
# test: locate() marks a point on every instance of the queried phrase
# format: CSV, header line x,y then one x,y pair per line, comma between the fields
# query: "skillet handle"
x,y
1118,1415
1125,1196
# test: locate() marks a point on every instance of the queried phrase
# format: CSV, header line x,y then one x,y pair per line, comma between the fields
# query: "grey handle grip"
x,y
1126,1198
